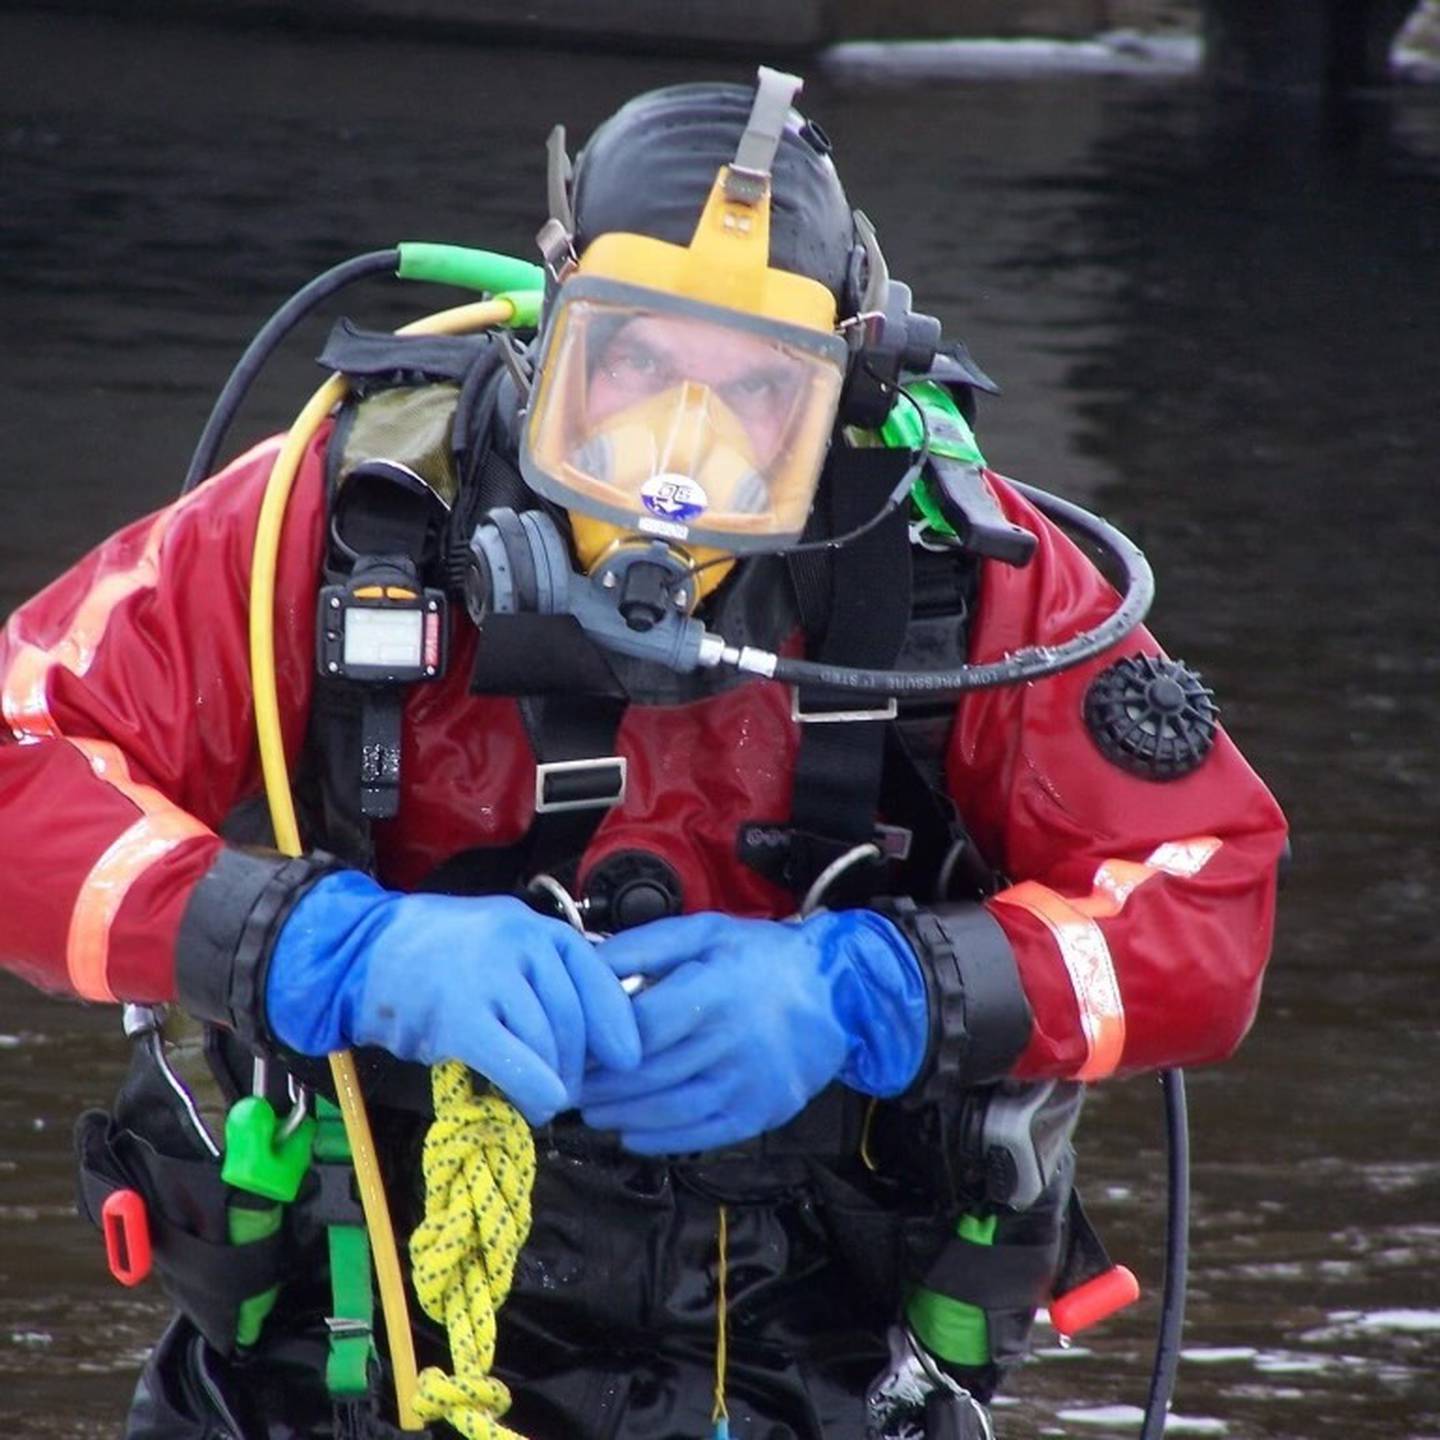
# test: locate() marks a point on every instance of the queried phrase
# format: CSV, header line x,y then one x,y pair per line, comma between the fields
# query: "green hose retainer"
x,y
352,1344
527,307
950,436
247,1225
952,1329
484,270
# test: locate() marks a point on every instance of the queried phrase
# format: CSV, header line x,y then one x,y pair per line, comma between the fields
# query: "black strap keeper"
x,y
228,930
980,1020
994,1277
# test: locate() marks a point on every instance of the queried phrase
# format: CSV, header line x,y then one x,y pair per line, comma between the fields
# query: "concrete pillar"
x,y
1302,44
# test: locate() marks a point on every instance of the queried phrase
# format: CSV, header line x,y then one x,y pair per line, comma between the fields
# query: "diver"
x,y
630,670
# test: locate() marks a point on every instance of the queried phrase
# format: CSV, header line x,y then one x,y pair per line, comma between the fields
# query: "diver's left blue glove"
x,y
747,1020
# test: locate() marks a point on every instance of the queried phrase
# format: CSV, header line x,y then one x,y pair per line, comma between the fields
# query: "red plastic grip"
x,y
127,1236
1094,1301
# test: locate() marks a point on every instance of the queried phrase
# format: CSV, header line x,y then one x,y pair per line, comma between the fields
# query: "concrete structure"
x,y
1260,43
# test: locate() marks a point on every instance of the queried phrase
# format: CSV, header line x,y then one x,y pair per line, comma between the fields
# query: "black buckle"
x,y
818,715
580,784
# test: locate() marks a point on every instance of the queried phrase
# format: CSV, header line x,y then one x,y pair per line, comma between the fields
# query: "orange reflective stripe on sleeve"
x,y
1086,957
161,827
25,705
1073,923
27,709
87,947
23,698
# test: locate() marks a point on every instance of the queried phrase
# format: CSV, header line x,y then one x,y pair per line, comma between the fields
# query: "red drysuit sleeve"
x,y
128,730
1140,911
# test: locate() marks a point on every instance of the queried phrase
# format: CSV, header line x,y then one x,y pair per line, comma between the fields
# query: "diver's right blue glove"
x,y
522,999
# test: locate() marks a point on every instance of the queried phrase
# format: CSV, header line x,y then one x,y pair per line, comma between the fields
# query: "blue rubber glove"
x,y
747,1020
522,999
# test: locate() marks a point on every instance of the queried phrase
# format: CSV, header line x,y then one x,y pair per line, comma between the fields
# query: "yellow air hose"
x,y
479,1155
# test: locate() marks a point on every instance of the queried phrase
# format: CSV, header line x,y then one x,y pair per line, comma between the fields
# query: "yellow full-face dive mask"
x,y
688,393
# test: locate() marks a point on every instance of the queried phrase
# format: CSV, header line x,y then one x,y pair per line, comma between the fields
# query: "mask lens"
x,y
683,425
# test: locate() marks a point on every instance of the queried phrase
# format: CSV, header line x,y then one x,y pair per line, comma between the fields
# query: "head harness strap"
x,y
749,174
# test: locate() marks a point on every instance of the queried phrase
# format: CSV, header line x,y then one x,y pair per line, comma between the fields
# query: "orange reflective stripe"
x,y
1084,951
22,698
161,827
1184,858
24,702
1086,957
27,709
23,691
87,947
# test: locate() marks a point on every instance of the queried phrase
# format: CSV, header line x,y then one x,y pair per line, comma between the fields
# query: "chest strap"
x,y
854,606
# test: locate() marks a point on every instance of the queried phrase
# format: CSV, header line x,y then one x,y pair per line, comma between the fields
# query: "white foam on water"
x,y
1131,1416
1218,1354
1411,1320
1098,1415
1119,52
1281,1363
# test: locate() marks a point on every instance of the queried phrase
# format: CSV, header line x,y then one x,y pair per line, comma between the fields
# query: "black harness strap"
x,y
572,705
854,607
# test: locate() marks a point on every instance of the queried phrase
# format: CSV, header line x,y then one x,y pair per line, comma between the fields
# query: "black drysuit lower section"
x,y
610,1332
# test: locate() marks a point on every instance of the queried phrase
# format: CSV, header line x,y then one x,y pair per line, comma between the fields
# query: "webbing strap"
x,y
774,93
855,606
1003,1276
572,705
352,1302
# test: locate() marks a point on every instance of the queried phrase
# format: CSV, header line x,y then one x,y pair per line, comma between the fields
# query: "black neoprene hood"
x,y
648,169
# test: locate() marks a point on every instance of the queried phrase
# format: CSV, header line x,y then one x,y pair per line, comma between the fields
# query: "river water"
x,y
1221,322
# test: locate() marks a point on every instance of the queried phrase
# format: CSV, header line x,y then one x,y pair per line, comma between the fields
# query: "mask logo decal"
x,y
673,498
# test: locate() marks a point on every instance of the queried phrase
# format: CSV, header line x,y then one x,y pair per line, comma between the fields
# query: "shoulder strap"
x,y
854,605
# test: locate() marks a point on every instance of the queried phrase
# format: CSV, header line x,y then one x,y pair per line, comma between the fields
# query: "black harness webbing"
x,y
367,356
572,705
854,607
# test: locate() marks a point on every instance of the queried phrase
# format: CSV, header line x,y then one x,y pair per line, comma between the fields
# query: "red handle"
x,y
127,1236
1094,1301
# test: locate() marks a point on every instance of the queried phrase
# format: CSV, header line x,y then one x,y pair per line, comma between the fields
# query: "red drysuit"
x,y
1140,913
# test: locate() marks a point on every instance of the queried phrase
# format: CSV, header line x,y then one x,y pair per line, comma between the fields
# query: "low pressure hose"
x,y
1177,1257
267,340
458,265
1031,663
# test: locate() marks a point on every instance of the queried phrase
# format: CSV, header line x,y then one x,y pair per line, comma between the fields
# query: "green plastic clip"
x,y
934,414
953,1329
258,1158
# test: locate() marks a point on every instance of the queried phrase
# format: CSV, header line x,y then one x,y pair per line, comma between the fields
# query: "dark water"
x,y
1231,338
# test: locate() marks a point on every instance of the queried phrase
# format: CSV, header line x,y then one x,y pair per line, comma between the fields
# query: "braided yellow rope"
x,y
479,1165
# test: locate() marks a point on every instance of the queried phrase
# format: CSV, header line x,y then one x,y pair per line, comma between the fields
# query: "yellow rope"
x,y
722,1241
479,1165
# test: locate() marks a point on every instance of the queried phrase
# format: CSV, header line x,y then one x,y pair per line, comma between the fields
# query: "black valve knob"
x,y
1152,716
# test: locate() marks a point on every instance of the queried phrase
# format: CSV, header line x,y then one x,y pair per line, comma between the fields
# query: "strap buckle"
x,y
580,784
888,711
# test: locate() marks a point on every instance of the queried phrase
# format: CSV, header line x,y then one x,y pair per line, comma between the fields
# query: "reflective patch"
x,y
1184,857
161,827
87,946
23,693
1086,957
1073,924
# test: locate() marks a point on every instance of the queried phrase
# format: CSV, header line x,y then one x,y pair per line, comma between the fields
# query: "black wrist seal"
x,y
234,915
980,1019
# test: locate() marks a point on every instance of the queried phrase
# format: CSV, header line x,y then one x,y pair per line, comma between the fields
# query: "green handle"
x,y
485,270
953,1329
935,414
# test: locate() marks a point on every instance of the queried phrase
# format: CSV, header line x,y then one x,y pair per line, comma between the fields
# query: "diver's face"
x,y
654,353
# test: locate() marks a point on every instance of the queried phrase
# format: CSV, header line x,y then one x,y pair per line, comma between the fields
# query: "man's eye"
x,y
760,386
634,363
